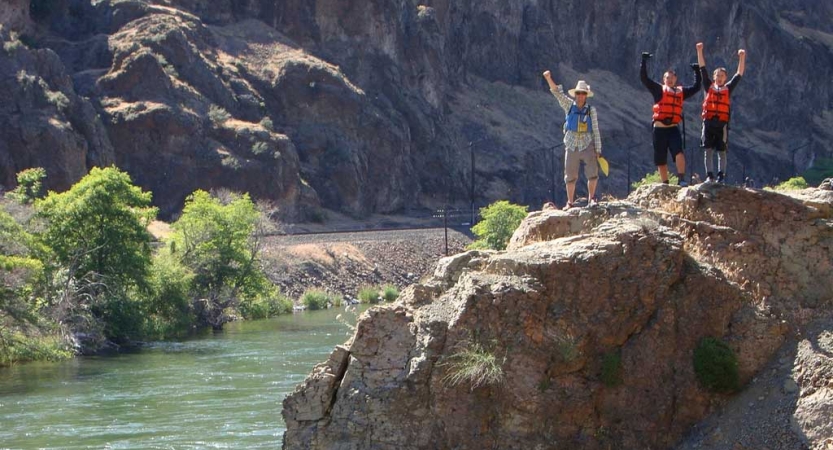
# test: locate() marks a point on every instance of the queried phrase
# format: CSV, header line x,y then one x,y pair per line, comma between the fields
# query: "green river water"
x,y
221,390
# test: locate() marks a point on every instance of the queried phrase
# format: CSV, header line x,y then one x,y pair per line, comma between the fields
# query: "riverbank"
x,y
343,254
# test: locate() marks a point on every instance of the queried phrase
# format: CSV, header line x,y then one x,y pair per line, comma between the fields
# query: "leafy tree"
x,y
99,227
29,185
499,221
216,240
97,235
24,333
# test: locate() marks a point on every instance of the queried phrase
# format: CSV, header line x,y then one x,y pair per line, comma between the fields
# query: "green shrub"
x,y
263,307
18,348
124,317
369,294
315,299
267,124
793,184
218,115
57,99
29,185
566,346
612,369
475,365
260,147
318,216
12,46
653,178
499,221
338,300
716,366
390,292
169,307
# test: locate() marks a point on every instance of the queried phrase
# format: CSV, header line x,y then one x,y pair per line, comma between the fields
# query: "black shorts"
x,y
714,136
666,140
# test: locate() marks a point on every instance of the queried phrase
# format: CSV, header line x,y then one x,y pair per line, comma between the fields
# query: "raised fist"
x,y
741,53
646,56
699,46
547,74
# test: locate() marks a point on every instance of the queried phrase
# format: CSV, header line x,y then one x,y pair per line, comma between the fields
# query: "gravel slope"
x,y
344,262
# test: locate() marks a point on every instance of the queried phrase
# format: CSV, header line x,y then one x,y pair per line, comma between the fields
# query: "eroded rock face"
x,y
43,121
638,282
814,374
14,14
184,120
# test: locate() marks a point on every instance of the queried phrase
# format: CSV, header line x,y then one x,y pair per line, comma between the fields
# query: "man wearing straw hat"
x,y
582,141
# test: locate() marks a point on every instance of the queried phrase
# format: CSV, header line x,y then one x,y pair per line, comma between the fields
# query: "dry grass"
x,y
160,230
325,254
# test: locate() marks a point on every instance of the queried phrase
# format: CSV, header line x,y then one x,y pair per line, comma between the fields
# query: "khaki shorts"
x,y
572,160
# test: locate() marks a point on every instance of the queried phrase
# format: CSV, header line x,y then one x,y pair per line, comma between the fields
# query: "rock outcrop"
x,y
14,14
43,121
587,325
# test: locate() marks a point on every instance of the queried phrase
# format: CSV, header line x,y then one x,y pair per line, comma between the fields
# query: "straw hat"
x,y
581,86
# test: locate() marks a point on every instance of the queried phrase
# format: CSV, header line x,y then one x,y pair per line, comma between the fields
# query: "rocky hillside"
x,y
370,107
588,326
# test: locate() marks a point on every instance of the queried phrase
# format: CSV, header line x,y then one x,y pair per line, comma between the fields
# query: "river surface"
x,y
221,390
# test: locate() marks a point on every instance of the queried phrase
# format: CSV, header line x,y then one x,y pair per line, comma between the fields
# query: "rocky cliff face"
x,y
592,318
43,121
371,106
14,14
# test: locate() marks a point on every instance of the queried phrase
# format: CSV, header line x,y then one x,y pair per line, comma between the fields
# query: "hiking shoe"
x,y
568,206
682,183
593,202
548,205
720,177
709,177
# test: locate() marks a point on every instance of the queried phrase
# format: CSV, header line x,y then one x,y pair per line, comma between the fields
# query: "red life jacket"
x,y
716,104
669,109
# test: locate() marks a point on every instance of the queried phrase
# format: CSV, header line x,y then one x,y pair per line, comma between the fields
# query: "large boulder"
x,y
588,325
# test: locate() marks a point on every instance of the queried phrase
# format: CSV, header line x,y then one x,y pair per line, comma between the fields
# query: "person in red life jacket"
x,y
582,140
716,112
668,112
